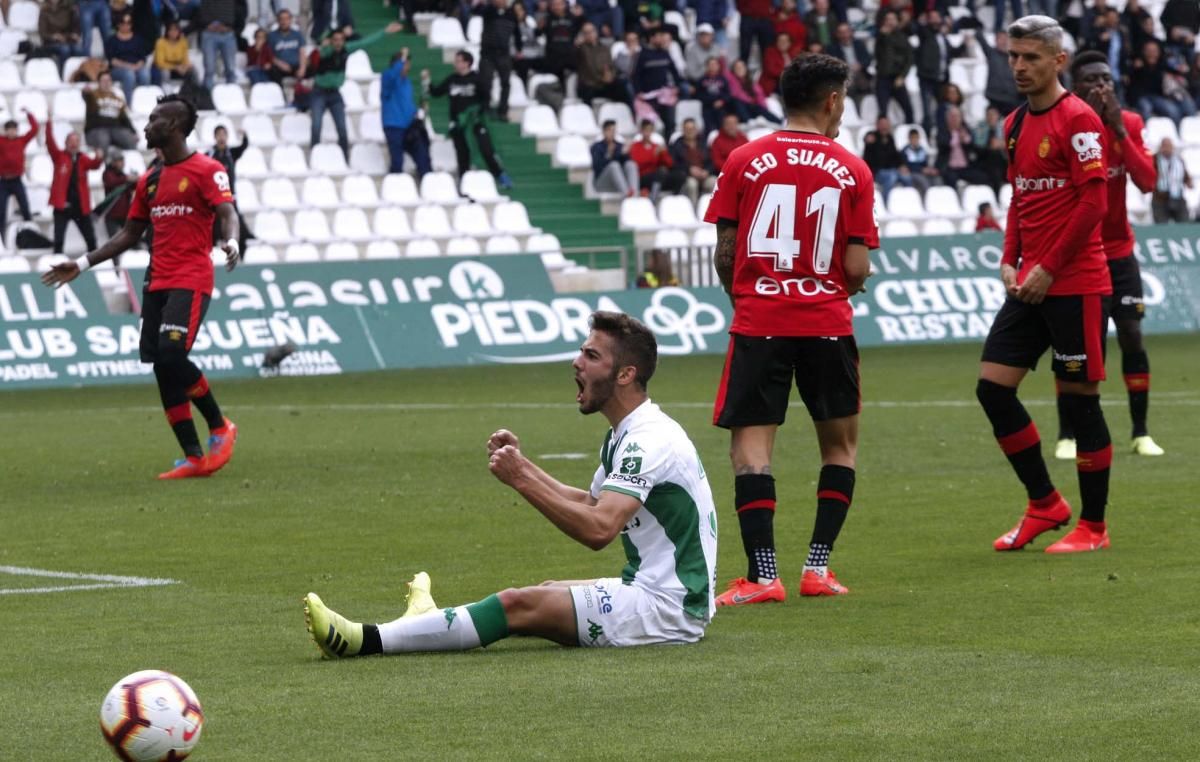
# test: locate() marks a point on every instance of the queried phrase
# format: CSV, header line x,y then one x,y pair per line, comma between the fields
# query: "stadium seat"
x,y
705,237
271,227
463,246
260,130
543,242
328,159
422,247
370,127
619,113
1157,129
400,189
340,252
295,129
966,225
23,16
578,119
373,89
905,203
672,238
145,98
252,164
40,169
329,130
352,97
572,152
33,101
637,214
502,244
10,77
512,218
442,156
1189,131
368,158
475,30
974,195
68,105
702,205
868,111
900,229
288,161
391,222
135,162
10,42
943,200
358,67
678,212
939,226
320,192
42,74
312,226
229,99
471,219
689,109
351,224
850,117
539,122
383,249
301,252
279,193
431,221
446,32
848,139
13,264
554,261
246,194
265,96
1006,194
480,186
359,191
261,255
439,188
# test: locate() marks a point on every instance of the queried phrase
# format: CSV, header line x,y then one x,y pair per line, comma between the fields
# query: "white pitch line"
x,y
101,581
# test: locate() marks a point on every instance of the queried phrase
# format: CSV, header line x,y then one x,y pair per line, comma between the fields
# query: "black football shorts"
x,y
759,372
170,320
1073,327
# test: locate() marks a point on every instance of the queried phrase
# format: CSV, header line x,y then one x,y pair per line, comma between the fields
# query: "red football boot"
x,y
742,591
1085,536
220,447
1035,521
813,582
185,468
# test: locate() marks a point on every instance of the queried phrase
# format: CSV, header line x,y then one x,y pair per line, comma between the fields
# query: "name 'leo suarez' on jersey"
x,y
798,199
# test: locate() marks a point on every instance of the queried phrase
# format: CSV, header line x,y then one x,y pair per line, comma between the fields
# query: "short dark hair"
x,y
685,121
635,343
809,78
608,123
1085,58
914,132
189,123
466,56
10,124
220,128
984,207
646,123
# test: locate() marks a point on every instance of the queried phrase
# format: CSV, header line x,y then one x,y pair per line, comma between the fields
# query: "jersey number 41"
x,y
773,232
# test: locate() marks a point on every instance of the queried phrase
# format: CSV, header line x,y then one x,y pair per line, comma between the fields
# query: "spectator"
x,y
177,10
559,28
89,70
69,194
259,58
820,24
649,16
1108,35
467,105
902,8
229,159
1001,91
986,219
609,20
951,96
956,153
884,158
1154,89
656,81
713,14
216,21
748,98
626,59
58,28
171,59
612,169
594,65
893,59
117,183
403,125
774,61
757,25
331,75
1133,20
107,121
287,45
729,137
853,52
501,34
787,21
1168,203
658,272
934,52
12,170
93,14
988,138
713,92
530,58
917,162
653,163
1181,20
998,16
127,57
326,20
692,164
698,51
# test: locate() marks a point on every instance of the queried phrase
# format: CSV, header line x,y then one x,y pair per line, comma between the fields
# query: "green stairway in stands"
x,y
553,202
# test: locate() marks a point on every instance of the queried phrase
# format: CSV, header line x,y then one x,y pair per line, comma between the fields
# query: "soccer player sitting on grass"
x,y
180,198
650,490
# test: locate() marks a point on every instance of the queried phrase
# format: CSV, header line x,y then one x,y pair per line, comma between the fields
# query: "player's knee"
x,y
515,600
1129,336
991,395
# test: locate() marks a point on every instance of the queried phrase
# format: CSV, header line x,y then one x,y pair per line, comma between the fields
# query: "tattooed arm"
x,y
723,258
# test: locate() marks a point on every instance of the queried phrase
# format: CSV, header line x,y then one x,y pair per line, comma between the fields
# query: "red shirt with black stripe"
x,y
184,204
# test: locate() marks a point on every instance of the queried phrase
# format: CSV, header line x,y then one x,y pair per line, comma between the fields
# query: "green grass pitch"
x,y
346,486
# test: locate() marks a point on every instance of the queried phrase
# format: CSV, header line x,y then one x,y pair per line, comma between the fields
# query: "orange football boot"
x,y
220,447
742,591
1034,522
815,583
185,468
1084,537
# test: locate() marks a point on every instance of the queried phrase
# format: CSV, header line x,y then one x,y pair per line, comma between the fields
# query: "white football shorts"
x,y
611,613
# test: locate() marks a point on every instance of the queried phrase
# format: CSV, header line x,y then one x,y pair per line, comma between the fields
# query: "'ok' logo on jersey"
x,y
1087,146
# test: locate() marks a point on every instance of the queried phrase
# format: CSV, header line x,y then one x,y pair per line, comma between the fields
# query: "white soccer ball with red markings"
x,y
151,715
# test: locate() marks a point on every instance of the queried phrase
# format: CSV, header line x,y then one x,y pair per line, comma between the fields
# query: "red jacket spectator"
x,y
62,173
724,144
12,150
793,26
649,157
762,9
772,67
987,222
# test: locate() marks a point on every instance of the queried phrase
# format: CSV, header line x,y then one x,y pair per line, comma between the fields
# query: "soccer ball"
x,y
151,715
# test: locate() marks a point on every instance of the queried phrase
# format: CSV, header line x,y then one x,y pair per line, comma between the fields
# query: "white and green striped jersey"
x,y
671,542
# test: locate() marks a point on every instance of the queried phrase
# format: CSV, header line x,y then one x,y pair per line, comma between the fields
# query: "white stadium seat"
x,y
359,191
943,200
391,222
678,212
463,246
1006,193
10,77
1157,129
578,119
23,16
208,128
351,224
229,99
261,255
400,189
502,244
40,168
358,67
672,238
10,42
42,74
271,227
373,90
246,194
543,242
479,185
370,127
475,30
905,203
511,217
260,129
431,221
446,32
253,164
10,265
619,113
422,247
368,158
1189,131
320,192
34,101
301,252
900,229
442,156
939,226
266,96
68,105
472,220
383,249
572,152
312,226
341,252
974,195
539,122
295,129
328,159
352,97
637,213
288,161
145,98
439,188
279,193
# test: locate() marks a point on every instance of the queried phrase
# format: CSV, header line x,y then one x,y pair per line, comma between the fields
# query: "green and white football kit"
x,y
665,592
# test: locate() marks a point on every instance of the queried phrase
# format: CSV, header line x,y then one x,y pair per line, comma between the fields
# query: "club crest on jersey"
x,y
1087,146
1044,147
183,184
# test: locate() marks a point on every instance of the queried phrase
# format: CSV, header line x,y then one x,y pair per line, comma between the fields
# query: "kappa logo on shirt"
x,y
1087,146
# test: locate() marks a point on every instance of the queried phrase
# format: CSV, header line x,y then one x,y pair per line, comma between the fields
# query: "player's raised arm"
x,y
505,438
66,272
